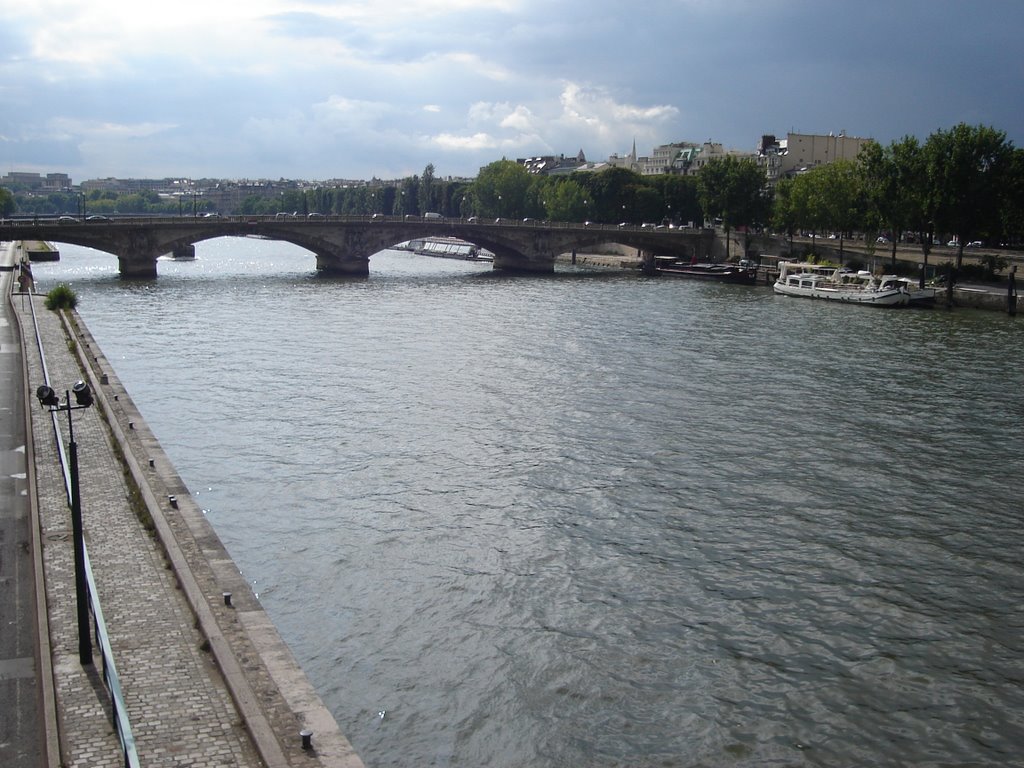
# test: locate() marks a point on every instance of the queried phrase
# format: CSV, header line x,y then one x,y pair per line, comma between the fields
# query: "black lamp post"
x,y
83,399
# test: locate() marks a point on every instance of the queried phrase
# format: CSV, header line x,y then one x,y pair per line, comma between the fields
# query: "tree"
x,y
500,189
839,193
786,208
732,189
679,194
426,191
407,199
6,202
565,200
966,170
1011,224
608,195
891,186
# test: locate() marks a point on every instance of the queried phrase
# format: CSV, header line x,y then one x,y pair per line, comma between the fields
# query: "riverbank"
x,y
205,675
989,297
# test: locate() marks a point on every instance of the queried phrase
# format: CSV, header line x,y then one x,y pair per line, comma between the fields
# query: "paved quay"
x,y
206,678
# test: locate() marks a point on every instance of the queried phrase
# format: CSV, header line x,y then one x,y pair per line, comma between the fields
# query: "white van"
x,y
429,215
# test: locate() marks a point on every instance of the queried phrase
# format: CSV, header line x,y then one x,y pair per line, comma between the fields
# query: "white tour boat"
x,y
813,281
918,296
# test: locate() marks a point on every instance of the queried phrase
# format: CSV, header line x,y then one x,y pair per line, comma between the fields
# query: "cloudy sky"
x,y
361,88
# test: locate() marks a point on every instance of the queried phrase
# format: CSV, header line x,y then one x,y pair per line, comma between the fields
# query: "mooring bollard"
x,y
1011,292
307,739
173,500
227,599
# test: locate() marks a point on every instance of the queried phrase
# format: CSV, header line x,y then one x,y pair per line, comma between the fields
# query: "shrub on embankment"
x,y
61,297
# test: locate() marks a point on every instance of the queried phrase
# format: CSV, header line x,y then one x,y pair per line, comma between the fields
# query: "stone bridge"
x,y
343,245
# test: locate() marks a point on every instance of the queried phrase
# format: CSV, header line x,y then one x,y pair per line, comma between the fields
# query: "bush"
x,y
61,297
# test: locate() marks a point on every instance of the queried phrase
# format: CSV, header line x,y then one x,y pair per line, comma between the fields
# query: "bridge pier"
x,y
520,262
535,254
342,265
137,266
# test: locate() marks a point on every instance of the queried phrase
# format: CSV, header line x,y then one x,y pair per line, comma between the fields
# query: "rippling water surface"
x,y
593,519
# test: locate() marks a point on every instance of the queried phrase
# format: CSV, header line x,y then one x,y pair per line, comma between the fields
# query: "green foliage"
x,y
501,190
61,297
732,189
680,197
427,190
993,263
610,194
787,209
839,192
407,200
966,183
968,169
6,202
565,200
1011,224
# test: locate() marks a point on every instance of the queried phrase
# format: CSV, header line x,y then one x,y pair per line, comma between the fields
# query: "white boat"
x,y
918,296
446,248
812,281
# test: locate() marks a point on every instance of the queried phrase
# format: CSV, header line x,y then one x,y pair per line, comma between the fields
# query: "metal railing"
x,y
119,712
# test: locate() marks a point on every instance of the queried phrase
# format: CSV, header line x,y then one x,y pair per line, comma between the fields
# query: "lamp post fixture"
x,y
83,399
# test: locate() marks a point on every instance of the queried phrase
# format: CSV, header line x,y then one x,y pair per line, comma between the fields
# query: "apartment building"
x,y
34,182
800,152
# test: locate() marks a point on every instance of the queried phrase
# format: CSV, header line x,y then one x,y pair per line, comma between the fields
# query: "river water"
x,y
595,519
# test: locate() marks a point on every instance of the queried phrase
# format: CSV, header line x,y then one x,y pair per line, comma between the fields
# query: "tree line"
x,y
503,189
965,184
961,185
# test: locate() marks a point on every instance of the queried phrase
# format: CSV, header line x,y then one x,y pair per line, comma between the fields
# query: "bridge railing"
x,y
314,219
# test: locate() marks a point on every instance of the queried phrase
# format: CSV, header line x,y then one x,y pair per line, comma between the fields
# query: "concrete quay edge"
x,y
256,663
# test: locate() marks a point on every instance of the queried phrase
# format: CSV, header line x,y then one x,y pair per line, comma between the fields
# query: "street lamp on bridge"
x,y
83,399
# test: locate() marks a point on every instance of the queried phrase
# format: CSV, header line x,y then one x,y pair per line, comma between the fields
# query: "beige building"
x,y
800,152
52,182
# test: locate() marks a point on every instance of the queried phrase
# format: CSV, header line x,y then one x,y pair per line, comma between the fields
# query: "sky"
x,y
361,89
